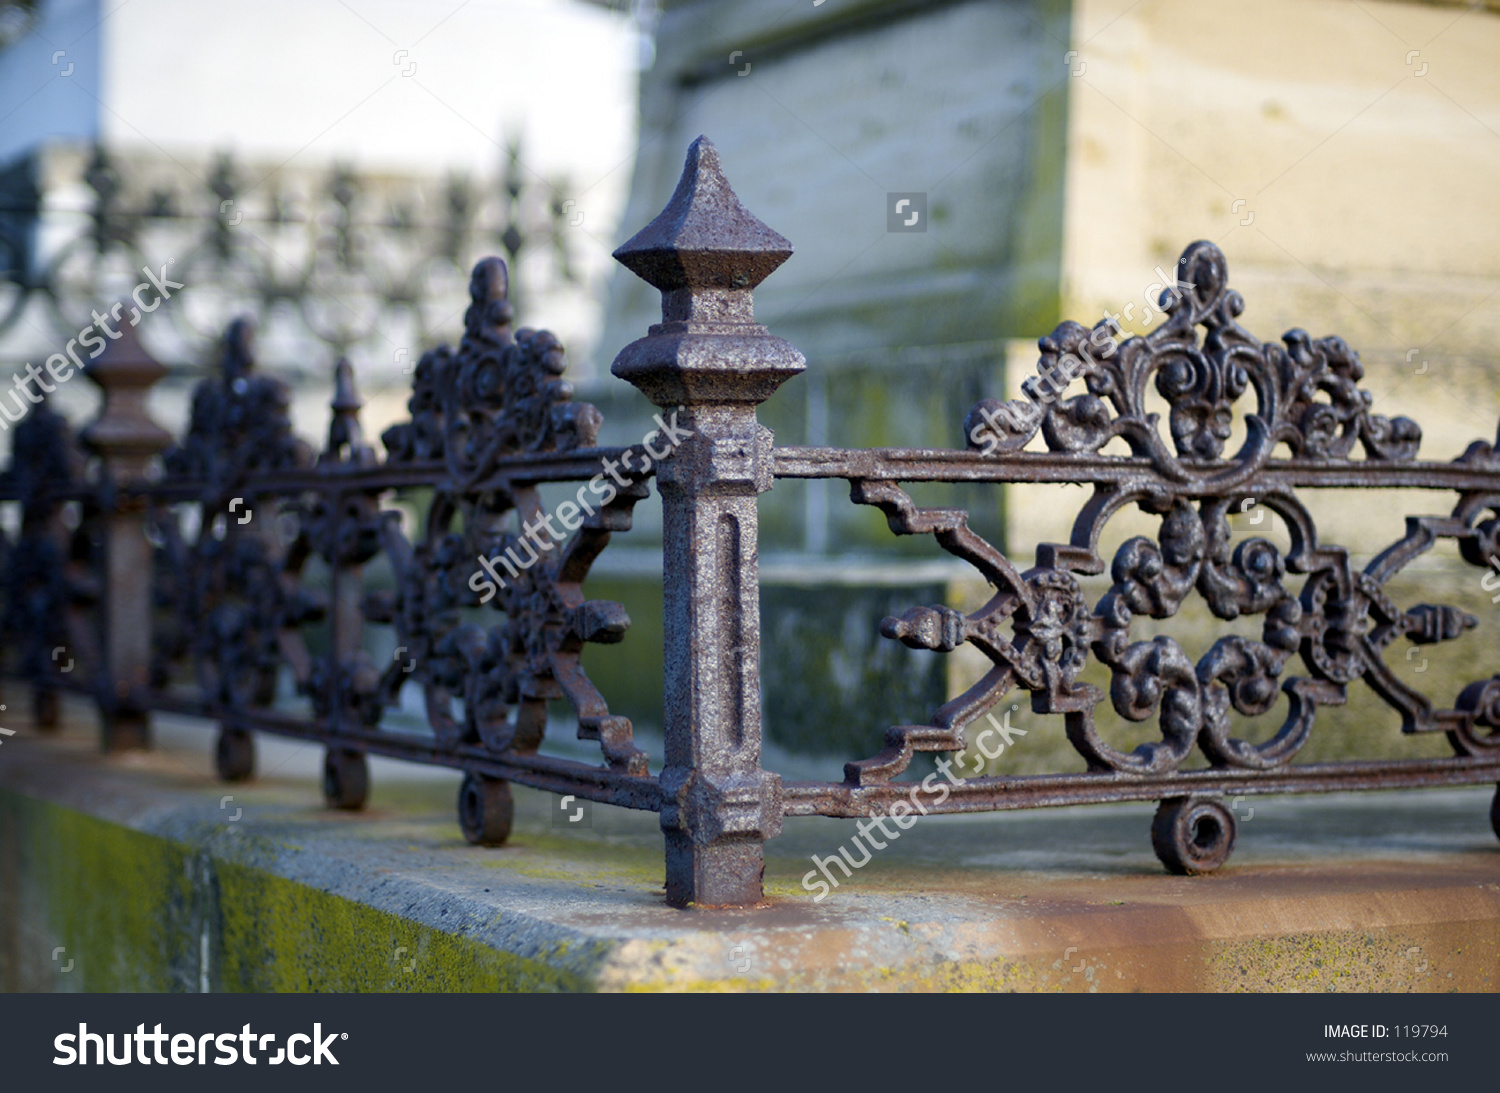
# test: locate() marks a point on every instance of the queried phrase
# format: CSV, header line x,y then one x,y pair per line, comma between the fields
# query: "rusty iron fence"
x,y
186,575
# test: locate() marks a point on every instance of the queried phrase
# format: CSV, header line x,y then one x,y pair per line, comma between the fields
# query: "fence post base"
x,y
721,874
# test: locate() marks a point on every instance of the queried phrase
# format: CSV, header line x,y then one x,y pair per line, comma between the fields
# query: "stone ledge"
x,y
131,865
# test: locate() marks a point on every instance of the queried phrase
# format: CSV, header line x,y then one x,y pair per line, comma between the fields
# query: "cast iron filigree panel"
x,y
1038,629
239,592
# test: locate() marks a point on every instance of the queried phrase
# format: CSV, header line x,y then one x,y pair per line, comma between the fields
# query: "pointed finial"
x,y
345,397
346,439
706,253
238,358
704,240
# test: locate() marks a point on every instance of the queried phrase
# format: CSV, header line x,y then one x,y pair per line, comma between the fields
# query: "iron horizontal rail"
x,y
580,464
65,491
303,479
886,464
952,465
1005,793
840,800
538,771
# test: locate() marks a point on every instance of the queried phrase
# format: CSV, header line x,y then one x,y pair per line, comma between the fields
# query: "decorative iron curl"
x,y
1307,390
1338,623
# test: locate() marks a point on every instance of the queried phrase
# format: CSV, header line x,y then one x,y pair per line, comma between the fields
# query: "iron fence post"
x,y
707,364
126,439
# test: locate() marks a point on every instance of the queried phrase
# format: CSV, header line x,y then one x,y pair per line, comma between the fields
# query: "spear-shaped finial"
x,y
346,441
704,240
706,253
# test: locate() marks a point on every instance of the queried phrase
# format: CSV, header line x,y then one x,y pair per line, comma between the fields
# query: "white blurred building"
x,y
407,97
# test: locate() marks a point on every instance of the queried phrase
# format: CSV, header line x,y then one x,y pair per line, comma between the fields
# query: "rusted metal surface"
x,y
1038,630
245,563
1001,794
477,414
706,254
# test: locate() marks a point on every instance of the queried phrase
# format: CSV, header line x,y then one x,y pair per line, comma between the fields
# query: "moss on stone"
x,y
277,935
116,900
134,912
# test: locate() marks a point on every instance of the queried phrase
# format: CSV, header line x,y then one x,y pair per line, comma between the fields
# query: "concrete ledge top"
x,y
1395,891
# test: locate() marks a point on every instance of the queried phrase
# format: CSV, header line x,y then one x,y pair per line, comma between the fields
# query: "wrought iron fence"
x,y
189,589
343,262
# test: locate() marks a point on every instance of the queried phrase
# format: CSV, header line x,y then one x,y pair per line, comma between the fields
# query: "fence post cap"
x,y
706,253
124,431
705,238
125,363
